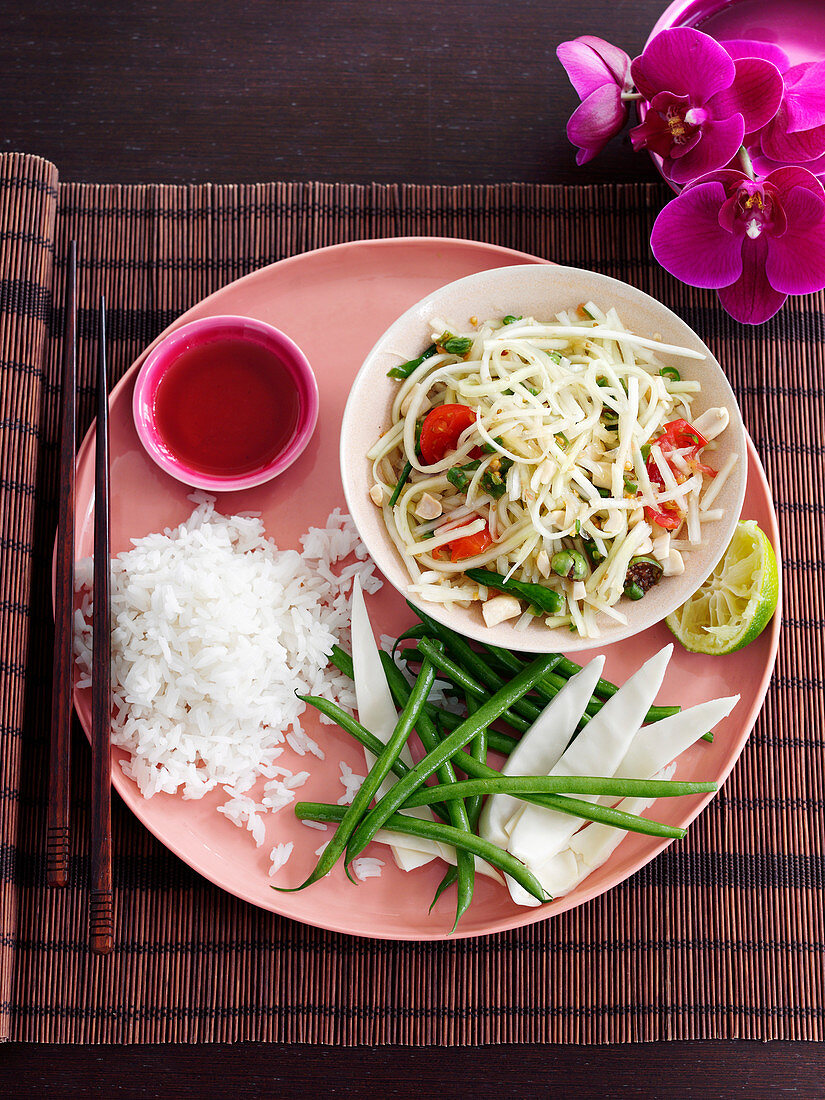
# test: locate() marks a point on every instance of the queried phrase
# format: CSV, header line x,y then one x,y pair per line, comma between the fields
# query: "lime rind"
x,y
736,602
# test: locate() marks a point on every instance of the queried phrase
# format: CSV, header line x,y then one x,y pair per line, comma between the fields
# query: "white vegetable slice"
x,y
377,712
652,749
540,748
658,744
540,833
590,848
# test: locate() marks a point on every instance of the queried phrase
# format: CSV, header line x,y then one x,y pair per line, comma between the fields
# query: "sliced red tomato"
x,y
470,545
677,435
441,428
701,468
668,519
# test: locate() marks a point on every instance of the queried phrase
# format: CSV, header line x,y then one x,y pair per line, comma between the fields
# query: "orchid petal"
x,y
591,62
750,47
688,241
683,61
788,176
796,261
765,165
616,60
805,96
779,144
676,152
752,299
755,94
653,134
596,121
719,144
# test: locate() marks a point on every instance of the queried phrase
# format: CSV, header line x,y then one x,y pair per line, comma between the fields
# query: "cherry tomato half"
x,y
666,519
470,545
441,428
678,434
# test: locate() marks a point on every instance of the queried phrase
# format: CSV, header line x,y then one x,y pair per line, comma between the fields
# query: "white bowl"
x,y
541,292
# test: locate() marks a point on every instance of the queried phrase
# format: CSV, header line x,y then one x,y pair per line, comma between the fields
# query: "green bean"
x,y
446,834
450,876
406,470
465,681
404,370
545,600
475,664
487,713
354,728
374,778
576,807
457,812
498,741
478,750
414,633
559,784
342,661
586,810
552,683
456,345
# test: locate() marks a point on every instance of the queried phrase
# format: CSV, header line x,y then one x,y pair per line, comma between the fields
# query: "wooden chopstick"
x,y
57,820
101,903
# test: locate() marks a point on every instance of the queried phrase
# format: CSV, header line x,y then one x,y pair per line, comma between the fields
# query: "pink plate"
x,y
358,289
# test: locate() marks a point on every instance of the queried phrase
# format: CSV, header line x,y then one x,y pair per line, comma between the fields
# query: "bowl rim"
x,y
160,357
551,638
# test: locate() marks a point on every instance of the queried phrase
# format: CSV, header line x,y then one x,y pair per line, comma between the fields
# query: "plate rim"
x,y
127,789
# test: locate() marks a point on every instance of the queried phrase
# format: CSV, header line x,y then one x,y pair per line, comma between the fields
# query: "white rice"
x,y
279,855
350,782
214,631
366,867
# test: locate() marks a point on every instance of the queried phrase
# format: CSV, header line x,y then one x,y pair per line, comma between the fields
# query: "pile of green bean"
x,y
499,687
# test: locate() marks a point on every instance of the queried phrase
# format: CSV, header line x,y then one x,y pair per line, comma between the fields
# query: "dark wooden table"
x,y
356,91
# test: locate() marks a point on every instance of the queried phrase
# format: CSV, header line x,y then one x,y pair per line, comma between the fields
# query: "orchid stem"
x,y
632,95
746,163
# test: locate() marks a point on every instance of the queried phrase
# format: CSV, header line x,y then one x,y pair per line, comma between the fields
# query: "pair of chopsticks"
x,y
101,906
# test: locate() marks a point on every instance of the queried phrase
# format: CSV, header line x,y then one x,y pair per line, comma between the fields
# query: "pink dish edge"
x,y
519,919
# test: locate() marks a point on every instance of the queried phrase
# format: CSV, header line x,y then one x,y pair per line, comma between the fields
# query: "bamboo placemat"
x,y
721,936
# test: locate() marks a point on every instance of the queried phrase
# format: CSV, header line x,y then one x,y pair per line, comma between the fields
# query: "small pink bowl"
x,y
198,334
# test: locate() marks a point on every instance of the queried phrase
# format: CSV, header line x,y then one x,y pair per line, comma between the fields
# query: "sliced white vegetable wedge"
x,y
540,748
588,849
594,845
658,744
540,833
377,712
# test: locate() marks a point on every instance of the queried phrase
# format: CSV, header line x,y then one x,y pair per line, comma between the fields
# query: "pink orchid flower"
x,y
753,241
600,73
701,102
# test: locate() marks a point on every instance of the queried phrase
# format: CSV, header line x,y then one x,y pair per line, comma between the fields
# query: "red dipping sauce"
x,y
227,406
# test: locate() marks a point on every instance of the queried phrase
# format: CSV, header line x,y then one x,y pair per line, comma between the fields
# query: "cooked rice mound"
x,y
214,631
